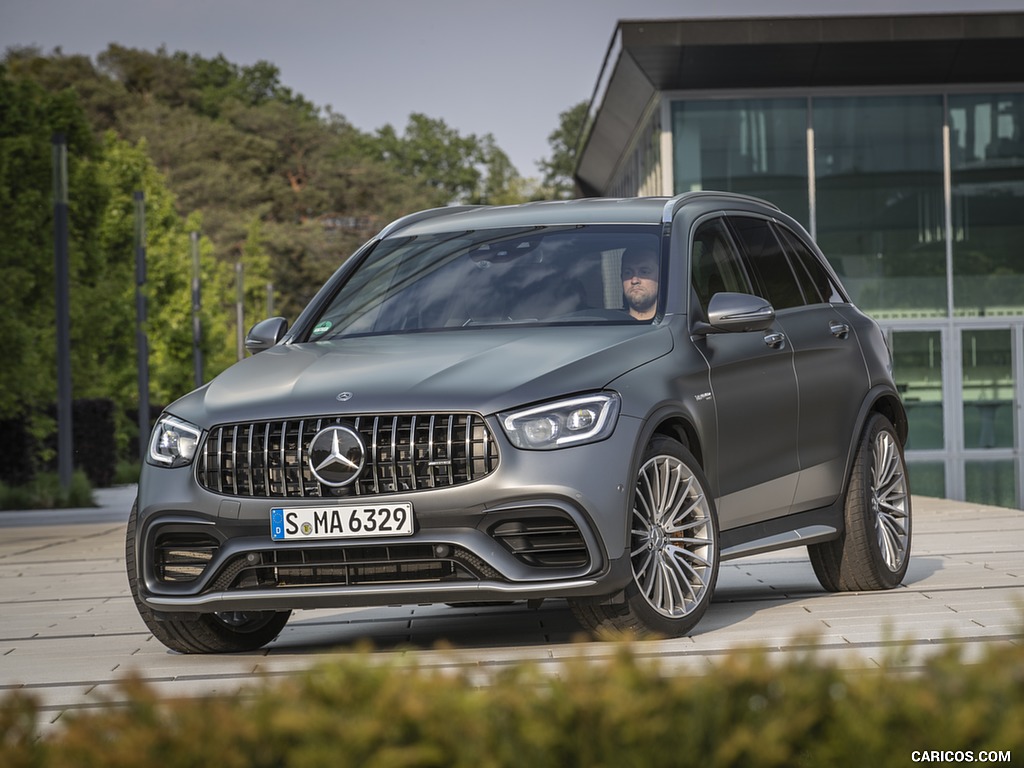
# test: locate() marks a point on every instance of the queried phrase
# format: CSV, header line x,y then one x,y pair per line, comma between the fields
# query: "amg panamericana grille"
x,y
404,452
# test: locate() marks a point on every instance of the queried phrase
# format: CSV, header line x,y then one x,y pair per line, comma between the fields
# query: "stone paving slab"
x,y
69,631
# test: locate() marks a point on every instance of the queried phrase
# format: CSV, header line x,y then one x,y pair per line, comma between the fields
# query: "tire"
x,y
674,551
873,551
231,632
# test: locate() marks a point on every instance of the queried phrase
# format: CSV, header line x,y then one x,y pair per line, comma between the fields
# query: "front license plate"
x,y
352,522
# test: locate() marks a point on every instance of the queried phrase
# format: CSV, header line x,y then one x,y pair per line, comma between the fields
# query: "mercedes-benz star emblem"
x,y
336,456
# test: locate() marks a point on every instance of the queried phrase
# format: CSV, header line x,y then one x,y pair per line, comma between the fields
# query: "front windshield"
x,y
547,275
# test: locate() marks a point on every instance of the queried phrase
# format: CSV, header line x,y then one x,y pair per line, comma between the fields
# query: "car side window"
x,y
716,264
815,280
769,262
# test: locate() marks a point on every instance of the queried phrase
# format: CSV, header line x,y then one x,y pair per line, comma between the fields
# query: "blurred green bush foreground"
x,y
744,711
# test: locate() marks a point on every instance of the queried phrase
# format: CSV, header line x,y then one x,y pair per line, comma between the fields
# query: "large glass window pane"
x,y
917,368
753,146
927,478
988,389
987,160
991,482
880,205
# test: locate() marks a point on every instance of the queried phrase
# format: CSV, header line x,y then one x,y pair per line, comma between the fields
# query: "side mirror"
x,y
737,313
265,334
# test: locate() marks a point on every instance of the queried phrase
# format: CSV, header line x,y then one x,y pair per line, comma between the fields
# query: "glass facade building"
x,y
915,193
918,202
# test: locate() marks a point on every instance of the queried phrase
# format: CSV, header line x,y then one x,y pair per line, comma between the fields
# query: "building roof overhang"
x,y
728,54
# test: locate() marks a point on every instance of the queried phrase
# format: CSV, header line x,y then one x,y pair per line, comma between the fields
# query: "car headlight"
x,y
173,442
563,423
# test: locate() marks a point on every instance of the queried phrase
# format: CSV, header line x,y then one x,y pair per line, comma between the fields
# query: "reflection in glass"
x,y
880,209
917,368
449,281
987,161
991,482
988,389
753,146
927,478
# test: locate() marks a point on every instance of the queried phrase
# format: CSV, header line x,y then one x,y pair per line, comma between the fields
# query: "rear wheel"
x,y
873,551
674,551
227,632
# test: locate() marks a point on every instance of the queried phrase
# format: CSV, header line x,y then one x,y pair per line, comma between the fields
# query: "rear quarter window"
x,y
770,265
814,279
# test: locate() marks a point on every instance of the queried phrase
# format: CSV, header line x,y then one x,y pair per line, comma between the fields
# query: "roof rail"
x,y
430,213
677,202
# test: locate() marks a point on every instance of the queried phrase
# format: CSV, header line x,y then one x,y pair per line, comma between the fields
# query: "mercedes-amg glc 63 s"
x,y
595,400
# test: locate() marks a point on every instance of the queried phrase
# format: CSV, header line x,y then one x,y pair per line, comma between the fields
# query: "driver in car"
x,y
640,282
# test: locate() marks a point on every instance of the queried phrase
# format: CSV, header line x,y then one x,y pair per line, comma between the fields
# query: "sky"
x,y
506,68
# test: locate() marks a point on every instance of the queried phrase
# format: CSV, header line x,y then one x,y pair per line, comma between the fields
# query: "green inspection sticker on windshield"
x,y
322,328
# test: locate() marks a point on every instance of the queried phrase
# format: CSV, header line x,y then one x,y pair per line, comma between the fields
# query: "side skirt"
x,y
796,530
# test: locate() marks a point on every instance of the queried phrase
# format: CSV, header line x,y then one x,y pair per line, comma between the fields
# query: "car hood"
x,y
485,371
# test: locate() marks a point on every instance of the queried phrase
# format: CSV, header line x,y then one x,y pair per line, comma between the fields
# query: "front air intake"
x,y
180,558
543,542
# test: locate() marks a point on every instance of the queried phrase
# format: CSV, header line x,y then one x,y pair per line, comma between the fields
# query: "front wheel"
x,y
228,632
674,551
873,551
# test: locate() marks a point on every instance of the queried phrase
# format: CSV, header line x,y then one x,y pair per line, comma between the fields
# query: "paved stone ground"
x,y
69,631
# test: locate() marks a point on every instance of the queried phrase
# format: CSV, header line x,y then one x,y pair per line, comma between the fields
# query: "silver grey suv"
x,y
594,400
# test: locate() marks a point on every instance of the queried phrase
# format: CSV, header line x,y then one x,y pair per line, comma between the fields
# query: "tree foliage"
x,y
30,116
565,141
271,182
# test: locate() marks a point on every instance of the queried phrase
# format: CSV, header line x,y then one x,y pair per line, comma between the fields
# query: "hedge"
x,y
16,451
746,711
94,444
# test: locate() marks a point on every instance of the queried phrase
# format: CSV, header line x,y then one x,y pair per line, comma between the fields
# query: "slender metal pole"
x,y
141,340
65,428
270,300
197,351
240,309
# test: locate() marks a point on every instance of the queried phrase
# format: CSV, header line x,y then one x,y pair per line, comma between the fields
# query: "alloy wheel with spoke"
x,y
889,501
673,551
672,537
873,549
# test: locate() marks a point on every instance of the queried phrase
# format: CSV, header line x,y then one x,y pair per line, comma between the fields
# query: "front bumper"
x,y
543,524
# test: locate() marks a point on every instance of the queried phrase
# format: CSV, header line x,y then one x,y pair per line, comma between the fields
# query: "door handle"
x,y
775,340
839,330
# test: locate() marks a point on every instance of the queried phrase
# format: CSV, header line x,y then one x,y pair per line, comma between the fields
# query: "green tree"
x,y
257,278
220,82
431,150
500,183
103,177
29,117
102,99
221,148
565,141
151,76
126,169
